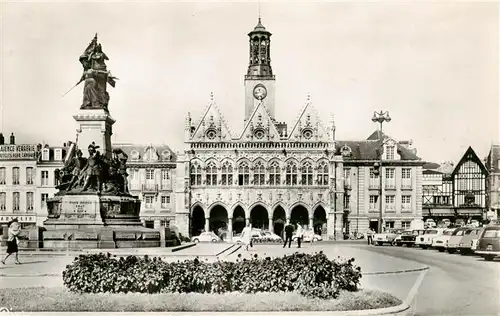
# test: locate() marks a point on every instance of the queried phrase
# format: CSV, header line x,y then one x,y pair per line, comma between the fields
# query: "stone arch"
x,y
212,160
218,220
197,220
299,203
299,214
279,219
238,218
319,220
259,216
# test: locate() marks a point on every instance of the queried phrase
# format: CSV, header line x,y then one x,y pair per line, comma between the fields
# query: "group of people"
x,y
12,241
246,235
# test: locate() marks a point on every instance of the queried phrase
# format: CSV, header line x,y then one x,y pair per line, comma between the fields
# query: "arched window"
x,y
243,174
291,174
259,174
227,173
211,174
307,174
195,175
275,174
323,173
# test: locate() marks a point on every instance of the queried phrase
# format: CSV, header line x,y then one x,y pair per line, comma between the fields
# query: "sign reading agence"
x,y
8,152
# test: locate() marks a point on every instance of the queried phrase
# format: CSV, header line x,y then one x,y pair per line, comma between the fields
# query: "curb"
x,y
225,249
396,272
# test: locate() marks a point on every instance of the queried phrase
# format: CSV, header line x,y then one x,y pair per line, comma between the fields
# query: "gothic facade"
x,y
267,175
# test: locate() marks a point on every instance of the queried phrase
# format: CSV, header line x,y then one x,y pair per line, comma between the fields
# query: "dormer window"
x,y
389,152
134,155
166,155
45,154
345,151
58,154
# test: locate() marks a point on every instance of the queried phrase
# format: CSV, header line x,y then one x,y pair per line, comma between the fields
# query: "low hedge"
x,y
310,275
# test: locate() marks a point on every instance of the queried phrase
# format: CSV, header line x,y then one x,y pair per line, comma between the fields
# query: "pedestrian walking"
x,y
246,236
288,235
369,236
12,242
300,235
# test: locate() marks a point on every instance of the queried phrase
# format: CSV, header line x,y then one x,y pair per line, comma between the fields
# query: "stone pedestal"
x,y
95,125
92,220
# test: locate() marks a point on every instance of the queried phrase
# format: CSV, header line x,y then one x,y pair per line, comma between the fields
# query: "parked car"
x,y
271,236
309,236
425,240
407,238
386,237
455,239
256,234
430,223
488,244
397,240
469,240
440,242
206,237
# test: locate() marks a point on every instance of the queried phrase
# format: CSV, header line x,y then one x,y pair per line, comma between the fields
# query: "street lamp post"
x,y
380,117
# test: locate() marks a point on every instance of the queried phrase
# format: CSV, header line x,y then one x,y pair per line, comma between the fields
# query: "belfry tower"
x,y
259,80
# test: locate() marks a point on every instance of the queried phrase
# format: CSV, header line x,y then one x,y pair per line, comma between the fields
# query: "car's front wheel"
x,y
423,246
379,243
489,257
315,239
214,240
196,240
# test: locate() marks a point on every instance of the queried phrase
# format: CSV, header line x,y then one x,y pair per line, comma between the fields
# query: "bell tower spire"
x,y
259,80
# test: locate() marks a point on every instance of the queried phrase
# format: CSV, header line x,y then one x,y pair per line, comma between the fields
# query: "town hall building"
x,y
271,174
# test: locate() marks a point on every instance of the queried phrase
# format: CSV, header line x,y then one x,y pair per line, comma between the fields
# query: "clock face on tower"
x,y
259,92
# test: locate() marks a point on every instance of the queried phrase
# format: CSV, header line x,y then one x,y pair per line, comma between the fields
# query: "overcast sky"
x,y
434,66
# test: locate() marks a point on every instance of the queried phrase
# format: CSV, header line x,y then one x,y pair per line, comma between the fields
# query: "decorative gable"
x,y
260,126
308,126
150,154
212,127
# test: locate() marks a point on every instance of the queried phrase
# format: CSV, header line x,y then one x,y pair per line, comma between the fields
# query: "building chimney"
x,y
2,139
12,139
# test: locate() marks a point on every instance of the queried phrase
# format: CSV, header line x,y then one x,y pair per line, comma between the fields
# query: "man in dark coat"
x,y
288,235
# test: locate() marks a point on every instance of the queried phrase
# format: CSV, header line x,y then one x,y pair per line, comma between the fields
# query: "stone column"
x,y
157,224
207,224
311,223
287,220
230,229
247,221
271,228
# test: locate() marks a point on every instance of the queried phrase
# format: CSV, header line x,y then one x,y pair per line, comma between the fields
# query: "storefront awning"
x,y
438,212
470,211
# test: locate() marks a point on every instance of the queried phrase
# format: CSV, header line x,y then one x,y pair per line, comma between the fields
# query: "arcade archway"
x,y
218,219
300,216
279,220
319,220
238,220
259,217
197,221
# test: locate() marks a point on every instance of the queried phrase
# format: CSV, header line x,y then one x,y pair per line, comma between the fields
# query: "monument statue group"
x,y
93,208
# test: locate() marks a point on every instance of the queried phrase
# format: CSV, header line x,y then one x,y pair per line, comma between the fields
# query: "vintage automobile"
x,y
469,241
440,242
206,237
309,236
407,238
488,244
425,240
456,237
387,237
271,236
256,234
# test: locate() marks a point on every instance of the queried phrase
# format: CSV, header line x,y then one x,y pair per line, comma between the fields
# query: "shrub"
x,y
310,275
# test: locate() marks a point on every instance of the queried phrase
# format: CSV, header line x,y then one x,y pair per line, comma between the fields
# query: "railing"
x,y
373,209
406,186
374,186
150,187
390,209
390,186
406,209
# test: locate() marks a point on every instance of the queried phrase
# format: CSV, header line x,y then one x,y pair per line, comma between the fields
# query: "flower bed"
x,y
310,275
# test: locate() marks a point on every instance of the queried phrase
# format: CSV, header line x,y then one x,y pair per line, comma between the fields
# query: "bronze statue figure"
x,y
96,77
92,170
120,159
